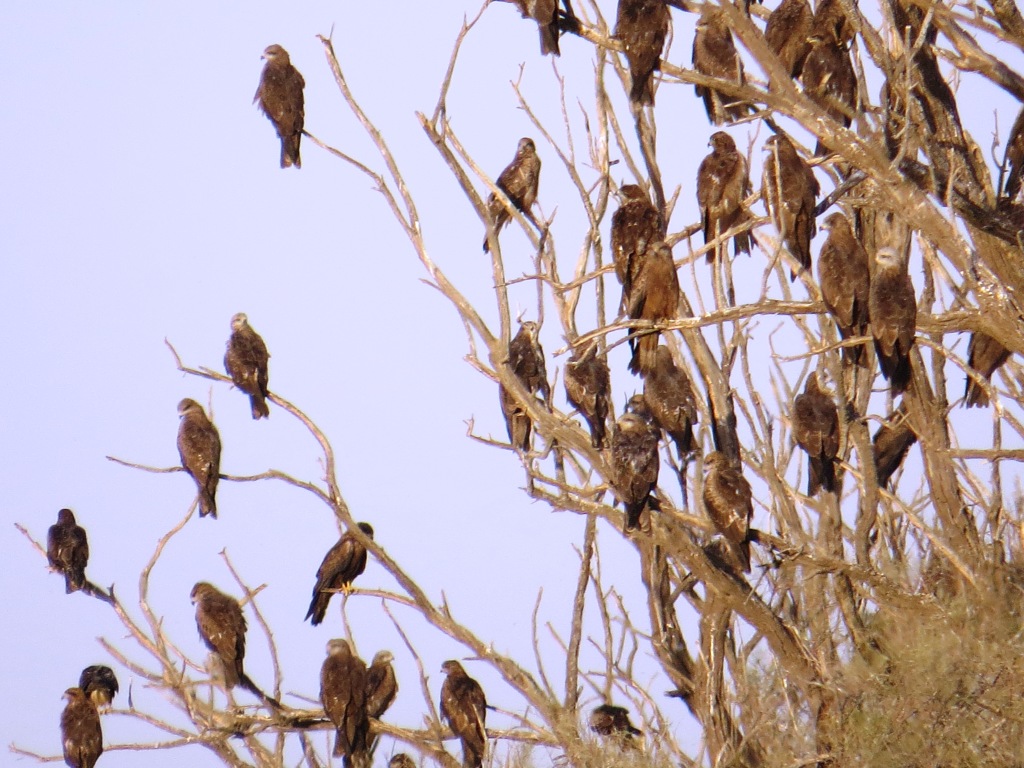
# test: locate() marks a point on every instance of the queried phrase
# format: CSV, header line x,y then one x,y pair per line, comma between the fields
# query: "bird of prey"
x,y
80,730
199,448
984,355
723,182
401,760
642,26
634,460
787,33
222,628
816,430
381,684
669,397
246,362
587,387
99,684
545,13
830,81
279,96
343,693
890,444
714,55
610,720
654,297
790,190
519,182
67,550
830,21
1013,160
635,224
892,305
464,707
729,503
526,359
342,563
843,275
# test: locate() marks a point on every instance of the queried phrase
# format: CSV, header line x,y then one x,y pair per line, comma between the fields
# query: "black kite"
x,y
246,361
199,448
464,708
67,550
519,181
342,563
279,95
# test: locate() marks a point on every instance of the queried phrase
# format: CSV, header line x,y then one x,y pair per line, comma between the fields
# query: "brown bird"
x,y
526,359
728,501
816,430
381,684
222,629
642,26
787,33
610,720
668,394
99,684
714,55
67,550
635,224
279,96
891,443
246,363
343,693
545,13
654,297
830,81
1013,160
519,181
401,760
830,21
790,190
985,355
199,448
843,275
893,308
464,707
340,567
723,183
634,460
80,730
587,387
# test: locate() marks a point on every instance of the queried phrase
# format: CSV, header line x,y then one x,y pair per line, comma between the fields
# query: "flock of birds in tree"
x,y
880,304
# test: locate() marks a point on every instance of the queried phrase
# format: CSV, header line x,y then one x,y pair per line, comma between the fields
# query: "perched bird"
x,y
401,760
67,550
790,190
634,460
519,181
343,693
893,308
642,26
729,503
199,448
714,55
222,629
654,297
985,355
787,33
723,183
587,387
668,393
843,275
635,224
99,684
830,21
342,563
80,730
381,684
246,362
1013,160
545,13
891,443
816,430
279,96
464,707
830,81
526,359
610,720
